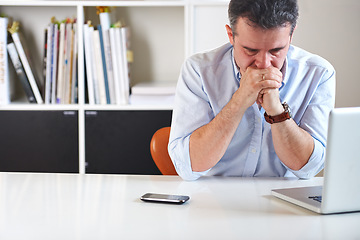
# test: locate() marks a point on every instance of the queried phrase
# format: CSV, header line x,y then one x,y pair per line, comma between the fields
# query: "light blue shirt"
x,y
206,84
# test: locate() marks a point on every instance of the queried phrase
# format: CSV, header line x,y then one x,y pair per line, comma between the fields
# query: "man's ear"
x,y
292,34
230,34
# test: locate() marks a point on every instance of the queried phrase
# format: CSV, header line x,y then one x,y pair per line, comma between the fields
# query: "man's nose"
x,y
263,60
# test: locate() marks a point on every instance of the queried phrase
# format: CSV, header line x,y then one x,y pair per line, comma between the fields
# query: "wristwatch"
x,y
281,117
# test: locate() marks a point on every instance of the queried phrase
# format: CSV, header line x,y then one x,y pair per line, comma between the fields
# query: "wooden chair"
x,y
159,152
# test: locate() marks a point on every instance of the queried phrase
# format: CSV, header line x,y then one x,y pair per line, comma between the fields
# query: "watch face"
x,y
287,108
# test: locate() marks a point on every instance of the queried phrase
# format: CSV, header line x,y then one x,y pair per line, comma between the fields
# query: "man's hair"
x,y
266,14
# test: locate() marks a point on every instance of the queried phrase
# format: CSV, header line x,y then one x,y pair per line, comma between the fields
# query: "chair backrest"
x,y
158,149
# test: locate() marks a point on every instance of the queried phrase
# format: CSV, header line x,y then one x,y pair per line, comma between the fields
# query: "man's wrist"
x,y
276,110
285,115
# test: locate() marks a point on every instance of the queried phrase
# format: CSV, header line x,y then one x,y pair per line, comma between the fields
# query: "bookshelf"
x,y
163,34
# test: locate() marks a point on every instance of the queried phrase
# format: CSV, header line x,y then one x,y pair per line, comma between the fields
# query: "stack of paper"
x,y
153,93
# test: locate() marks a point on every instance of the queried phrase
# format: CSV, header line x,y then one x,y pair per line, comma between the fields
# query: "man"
x,y
231,114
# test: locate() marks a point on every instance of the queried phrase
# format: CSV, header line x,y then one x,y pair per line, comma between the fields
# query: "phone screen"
x,y
164,198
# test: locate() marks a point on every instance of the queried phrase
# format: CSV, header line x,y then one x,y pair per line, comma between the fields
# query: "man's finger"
x,y
269,84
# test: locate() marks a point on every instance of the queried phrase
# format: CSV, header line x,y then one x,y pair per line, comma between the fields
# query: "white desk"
x,y
61,206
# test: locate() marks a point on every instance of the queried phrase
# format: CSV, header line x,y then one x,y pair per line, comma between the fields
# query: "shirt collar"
x,y
236,69
283,71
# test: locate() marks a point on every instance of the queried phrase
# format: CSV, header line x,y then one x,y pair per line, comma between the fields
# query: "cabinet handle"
x,y
91,113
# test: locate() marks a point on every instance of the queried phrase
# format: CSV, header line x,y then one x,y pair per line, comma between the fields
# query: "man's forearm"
x,y
209,142
292,144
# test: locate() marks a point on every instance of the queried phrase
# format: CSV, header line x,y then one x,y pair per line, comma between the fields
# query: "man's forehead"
x,y
242,21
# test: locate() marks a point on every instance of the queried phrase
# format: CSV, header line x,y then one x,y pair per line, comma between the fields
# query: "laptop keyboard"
x,y
316,198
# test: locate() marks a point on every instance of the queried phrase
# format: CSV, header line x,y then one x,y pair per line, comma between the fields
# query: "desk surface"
x,y
64,206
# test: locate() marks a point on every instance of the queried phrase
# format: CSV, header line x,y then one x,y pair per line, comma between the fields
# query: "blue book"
x,y
104,64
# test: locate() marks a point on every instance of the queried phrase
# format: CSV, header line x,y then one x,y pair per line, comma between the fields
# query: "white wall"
x,y
209,27
331,29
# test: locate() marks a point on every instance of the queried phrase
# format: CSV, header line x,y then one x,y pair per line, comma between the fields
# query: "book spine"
x,y
94,65
4,69
61,65
120,65
114,51
74,94
103,59
27,68
68,63
99,67
105,26
54,63
20,72
109,66
49,46
44,62
124,52
88,59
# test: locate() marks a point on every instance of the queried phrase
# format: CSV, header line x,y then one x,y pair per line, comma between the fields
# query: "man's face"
x,y
257,47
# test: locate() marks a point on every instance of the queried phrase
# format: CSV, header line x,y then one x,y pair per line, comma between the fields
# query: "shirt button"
x,y
259,120
253,150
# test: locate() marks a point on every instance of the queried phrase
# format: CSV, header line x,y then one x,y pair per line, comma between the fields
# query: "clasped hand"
x,y
262,86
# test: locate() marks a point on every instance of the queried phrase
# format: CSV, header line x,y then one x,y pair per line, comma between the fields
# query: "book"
x,y
14,56
4,69
74,79
44,61
88,50
122,66
93,65
105,22
99,66
48,60
60,64
126,58
115,55
103,60
25,60
54,62
69,48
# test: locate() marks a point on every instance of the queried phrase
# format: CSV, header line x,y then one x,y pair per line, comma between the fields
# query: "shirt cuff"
x,y
180,157
315,163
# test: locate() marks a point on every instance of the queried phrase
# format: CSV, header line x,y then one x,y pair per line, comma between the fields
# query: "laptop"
x,y
341,187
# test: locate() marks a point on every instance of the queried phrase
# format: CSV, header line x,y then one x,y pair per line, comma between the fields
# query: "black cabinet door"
x,y
118,142
39,141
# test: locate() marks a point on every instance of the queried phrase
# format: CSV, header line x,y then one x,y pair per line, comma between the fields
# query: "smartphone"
x,y
164,198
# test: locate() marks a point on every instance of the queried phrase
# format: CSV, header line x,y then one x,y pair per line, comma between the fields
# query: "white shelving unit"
x,y
164,33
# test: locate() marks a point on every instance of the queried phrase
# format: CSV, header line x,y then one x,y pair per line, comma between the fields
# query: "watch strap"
x,y
279,118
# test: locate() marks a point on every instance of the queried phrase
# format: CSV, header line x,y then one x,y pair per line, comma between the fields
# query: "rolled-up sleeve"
x,y
315,122
191,111
313,166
